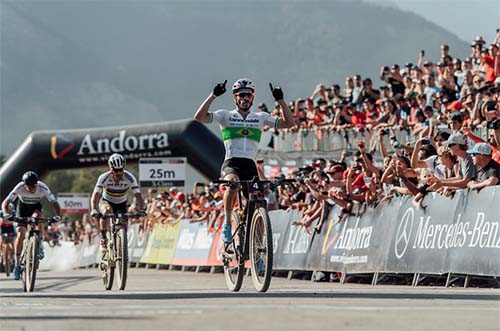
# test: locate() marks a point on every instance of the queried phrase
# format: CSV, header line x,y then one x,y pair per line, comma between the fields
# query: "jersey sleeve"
x,y
134,186
270,120
100,184
217,116
14,193
46,192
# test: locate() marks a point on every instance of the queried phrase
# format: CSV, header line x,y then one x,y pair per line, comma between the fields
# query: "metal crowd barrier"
x,y
310,140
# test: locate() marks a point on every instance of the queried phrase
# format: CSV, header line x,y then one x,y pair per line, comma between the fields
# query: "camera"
x,y
494,124
422,52
384,132
426,141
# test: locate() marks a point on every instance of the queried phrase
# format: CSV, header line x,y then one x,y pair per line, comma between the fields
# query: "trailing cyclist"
x,y
28,194
113,187
241,131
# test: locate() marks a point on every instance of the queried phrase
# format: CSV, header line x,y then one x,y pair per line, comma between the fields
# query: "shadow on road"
x,y
283,295
66,317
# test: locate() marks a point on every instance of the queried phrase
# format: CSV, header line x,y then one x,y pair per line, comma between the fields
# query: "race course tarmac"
x,y
174,300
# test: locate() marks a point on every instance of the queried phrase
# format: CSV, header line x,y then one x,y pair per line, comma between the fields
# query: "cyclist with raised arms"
x,y
113,186
241,131
28,193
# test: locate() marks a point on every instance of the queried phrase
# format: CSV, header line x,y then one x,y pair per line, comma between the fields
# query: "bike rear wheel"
x,y
31,263
108,269
121,249
261,250
233,259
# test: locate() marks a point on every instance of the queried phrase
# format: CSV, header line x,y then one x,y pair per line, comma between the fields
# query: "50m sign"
x,y
162,172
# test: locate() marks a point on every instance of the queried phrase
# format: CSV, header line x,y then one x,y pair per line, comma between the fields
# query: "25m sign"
x,y
162,172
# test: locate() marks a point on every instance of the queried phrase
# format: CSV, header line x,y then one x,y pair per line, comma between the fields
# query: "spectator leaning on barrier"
x,y
488,171
457,144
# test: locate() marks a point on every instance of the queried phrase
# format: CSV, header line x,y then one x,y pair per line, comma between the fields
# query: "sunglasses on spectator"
x,y
245,95
477,81
451,145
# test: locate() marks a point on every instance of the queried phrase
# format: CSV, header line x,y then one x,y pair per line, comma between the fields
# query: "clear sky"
x,y
465,18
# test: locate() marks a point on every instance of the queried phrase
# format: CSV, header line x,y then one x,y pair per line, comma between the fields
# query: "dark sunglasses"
x,y
245,95
117,170
451,145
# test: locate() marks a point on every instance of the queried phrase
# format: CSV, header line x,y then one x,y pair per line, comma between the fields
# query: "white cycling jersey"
x,y
242,136
20,192
116,192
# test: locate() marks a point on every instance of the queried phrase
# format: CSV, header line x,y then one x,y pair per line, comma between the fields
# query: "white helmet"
x,y
243,83
116,161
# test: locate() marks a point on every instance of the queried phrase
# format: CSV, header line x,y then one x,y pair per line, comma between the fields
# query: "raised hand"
x,y
277,92
220,89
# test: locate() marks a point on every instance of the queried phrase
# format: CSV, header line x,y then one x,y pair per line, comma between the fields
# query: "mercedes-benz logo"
x,y
403,234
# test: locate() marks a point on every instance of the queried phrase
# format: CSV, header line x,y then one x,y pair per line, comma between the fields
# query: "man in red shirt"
x,y
491,60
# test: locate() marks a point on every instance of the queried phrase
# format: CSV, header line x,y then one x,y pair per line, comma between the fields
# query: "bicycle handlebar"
x,y
123,216
33,220
261,183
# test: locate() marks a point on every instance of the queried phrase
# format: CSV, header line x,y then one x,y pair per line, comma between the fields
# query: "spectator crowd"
x,y
439,104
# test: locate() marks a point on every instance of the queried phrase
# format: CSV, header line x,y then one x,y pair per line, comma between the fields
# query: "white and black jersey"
x,y
31,198
116,192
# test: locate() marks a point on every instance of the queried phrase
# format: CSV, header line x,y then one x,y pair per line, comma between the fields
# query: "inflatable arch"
x,y
43,151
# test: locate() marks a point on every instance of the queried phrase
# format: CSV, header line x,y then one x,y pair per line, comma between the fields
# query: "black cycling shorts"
x,y
27,210
118,208
7,229
244,168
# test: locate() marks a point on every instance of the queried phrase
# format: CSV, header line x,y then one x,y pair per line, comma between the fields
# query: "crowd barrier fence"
x,y
316,139
460,235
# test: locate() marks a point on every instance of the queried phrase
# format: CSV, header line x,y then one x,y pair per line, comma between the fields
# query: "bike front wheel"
x,y
261,250
121,249
107,267
233,259
7,264
31,263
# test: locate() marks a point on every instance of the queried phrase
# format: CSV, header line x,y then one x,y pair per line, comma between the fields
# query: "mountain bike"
x,y
116,253
29,256
8,251
252,235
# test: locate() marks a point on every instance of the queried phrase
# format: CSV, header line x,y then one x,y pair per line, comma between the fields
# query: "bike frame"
x,y
115,224
254,201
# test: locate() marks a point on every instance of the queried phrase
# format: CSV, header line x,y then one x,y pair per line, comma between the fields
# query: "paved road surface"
x,y
174,300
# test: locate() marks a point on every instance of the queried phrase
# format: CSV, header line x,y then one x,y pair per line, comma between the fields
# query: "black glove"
x,y
220,89
277,92
94,213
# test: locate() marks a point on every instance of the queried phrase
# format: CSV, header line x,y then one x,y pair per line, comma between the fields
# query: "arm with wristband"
x,y
202,114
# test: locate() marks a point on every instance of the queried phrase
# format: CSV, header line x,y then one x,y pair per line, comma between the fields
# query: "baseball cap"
x,y
454,105
456,138
480,148
335,168
479,40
